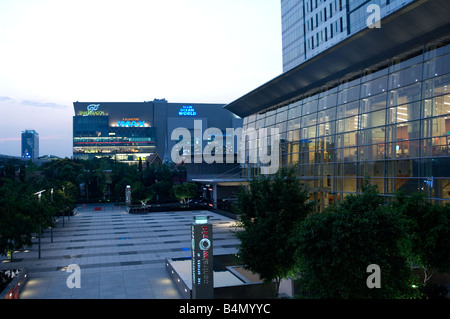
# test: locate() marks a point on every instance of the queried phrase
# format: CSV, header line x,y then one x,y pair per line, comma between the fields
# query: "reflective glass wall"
x,y
309,27
391,123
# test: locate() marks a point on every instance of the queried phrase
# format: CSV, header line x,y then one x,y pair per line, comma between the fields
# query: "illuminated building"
x,y
310,27
377,104
127,131
30,144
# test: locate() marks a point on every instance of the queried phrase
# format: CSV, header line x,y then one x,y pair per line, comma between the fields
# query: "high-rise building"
x,y
311,26
30,144
375,104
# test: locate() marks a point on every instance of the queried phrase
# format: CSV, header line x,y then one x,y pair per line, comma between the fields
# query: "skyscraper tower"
x,y
310,27
30,144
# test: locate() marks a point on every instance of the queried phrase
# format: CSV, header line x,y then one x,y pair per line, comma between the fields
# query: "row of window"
x,y
325,34
385,88
334,6
392,124
368,112
112,150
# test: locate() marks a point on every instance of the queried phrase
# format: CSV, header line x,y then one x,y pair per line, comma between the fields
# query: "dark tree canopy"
x,y
270,211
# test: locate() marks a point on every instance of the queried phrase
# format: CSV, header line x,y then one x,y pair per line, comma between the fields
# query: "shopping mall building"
x,y
375,104
129,131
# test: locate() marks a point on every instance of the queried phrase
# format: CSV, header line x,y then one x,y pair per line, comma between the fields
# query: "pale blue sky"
x,y
54,52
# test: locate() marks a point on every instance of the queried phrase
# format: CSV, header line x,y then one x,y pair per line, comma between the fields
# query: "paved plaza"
x,y
120,255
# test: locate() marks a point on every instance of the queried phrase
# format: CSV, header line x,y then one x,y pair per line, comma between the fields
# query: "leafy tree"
x,y
139,191
16,224
186,191
336,247
159,178
120,186
95,183
162,190
270,210
429,232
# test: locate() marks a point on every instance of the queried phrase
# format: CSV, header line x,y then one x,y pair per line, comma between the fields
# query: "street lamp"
x,y
51,227
39,194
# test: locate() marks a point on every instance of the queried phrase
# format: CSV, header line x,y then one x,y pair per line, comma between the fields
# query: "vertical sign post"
x,y
128,195
202,259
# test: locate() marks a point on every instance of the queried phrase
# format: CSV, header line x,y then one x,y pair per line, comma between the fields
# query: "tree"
x,y
335,249
16,224
269,213
184,192
162,190
429,231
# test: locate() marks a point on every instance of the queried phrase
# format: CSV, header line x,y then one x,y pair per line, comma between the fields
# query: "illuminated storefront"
x,y
369,107
127,131
122,131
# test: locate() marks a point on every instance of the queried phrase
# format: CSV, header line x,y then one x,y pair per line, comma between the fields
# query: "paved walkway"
x,y
120,255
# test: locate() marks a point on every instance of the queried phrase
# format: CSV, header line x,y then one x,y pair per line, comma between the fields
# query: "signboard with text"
x,y
187,110
128,195
202,262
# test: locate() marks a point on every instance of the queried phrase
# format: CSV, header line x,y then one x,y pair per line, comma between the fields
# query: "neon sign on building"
x,y
187,110
92,109
133,122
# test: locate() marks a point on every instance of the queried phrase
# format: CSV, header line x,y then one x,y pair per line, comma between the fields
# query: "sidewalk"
x,y
120,255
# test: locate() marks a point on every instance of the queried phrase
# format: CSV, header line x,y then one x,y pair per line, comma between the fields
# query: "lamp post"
x,y
39,194
64,204
51,227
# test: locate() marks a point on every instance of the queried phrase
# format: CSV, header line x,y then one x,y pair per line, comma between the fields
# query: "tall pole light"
x,y
51,227
39,194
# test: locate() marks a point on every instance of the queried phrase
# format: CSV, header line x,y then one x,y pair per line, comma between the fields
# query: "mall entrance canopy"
x,y
215,183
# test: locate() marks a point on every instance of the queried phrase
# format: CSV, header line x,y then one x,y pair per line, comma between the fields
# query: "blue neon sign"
x,y
187,110
131,124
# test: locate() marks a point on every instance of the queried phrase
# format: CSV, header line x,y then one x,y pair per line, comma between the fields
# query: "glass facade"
x,y
391,123
93,137
311,26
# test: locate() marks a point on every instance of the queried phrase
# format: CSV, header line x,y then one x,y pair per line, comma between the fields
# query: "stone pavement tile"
x,y
162,284
35,287
120,255
90,286
57,288
143,293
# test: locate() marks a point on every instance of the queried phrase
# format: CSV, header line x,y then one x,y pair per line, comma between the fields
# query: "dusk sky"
x,y
55,52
